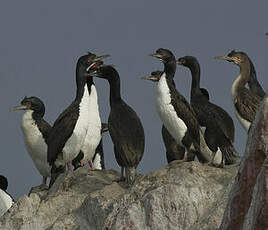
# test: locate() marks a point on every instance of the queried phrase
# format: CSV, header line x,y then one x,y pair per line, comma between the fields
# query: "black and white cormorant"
x,y
176,113
69,131
98,158
253,82
6,200
93,136
245,101
174,151
219,133
36,131
124,126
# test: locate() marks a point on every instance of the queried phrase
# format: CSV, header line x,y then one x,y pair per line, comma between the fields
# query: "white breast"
x,y
93,136
5,202
245,124
35,143
167,113
75,142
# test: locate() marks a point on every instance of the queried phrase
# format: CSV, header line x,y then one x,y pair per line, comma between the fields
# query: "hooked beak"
x,y
19,107
226,58
156,55
150,78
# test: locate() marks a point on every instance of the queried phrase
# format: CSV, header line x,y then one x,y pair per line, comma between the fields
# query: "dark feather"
x,y
127,134
62,131
247,103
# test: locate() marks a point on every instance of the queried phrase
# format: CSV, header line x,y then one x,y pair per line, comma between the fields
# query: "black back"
x,y
124,125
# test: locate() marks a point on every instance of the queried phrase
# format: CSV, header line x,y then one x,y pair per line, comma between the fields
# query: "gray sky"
x,y
40,43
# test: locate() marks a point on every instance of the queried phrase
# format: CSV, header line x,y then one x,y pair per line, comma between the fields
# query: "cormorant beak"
x,y
19,107
226,58
100,58
179,62
150,78
156,55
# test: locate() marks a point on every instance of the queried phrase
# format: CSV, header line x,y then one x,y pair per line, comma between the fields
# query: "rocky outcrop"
x,y
247,207
179,196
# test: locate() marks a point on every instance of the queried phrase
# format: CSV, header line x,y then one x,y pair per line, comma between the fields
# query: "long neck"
x,y
241,80
80,82
195,71
115,94
170,69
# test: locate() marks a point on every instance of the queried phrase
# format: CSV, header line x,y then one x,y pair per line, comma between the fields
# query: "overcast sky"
x,y
41,41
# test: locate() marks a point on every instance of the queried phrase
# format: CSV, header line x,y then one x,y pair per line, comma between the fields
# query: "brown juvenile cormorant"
x,y
245,101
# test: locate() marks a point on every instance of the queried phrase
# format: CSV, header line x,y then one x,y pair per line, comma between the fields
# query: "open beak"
x,y
100,58
19,107
226,58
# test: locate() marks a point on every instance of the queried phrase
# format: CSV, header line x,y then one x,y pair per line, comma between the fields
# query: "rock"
x,y
247,207
179,196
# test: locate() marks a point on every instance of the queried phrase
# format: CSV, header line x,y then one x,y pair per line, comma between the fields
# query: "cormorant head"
x,y
155,76
31,103
164,55
107,72
3,183
187,61
86,61
238,58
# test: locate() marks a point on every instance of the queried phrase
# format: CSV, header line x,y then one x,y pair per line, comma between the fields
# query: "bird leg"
x,y
91,164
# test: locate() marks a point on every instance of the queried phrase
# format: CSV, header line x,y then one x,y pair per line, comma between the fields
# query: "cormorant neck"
x,y
80,81
195,72
244,74
170,68
115,94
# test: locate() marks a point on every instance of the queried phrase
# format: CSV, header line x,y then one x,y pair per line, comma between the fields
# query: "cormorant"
x,y
245,101
124,126
176,113
36,131
174,151
69,131
219,133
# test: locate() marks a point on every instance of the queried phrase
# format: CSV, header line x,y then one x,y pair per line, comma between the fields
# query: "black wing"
x,y
210,114
61,131
45,128
247,104
127,133
185,111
